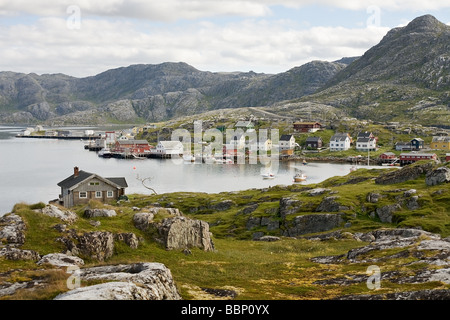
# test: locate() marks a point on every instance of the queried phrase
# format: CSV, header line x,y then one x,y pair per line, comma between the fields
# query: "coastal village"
x,y
298,140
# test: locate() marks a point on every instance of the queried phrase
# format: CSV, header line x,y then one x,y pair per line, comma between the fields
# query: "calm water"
x,y
31,168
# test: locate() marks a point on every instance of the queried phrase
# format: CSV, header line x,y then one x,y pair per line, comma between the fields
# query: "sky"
x,y
83,38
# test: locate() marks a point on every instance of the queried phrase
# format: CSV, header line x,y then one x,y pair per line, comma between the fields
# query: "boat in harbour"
x,y
299,177
105,153
268,175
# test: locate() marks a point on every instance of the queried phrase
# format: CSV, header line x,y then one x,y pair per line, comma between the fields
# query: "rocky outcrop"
x,y
92,245
140,281
417,247
12,229
183,233
143,220
11,253
438,176
329,204
221,206
317,191
53,211
433,295
95,213
406,173
129,238
61,260
386,213
313,223
108,291
289,206
268,222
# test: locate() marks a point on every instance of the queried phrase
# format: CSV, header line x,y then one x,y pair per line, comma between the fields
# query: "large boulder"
x,y
438,176
108,291
94,213
92,245
53,211
183,233
129,238
12,229
313,223
11,253
386,213
143,220
60,260
140,281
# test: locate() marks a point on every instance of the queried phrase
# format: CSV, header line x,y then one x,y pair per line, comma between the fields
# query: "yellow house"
x,y
441,143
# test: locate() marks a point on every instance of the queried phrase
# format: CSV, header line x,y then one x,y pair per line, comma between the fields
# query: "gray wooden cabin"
x,y
83,186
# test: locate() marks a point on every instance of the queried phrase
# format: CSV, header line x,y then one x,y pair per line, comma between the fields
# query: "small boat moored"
x,y
268,175
299,177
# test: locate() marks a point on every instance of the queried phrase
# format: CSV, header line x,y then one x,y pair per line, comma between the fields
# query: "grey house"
x,y
314,143
83,186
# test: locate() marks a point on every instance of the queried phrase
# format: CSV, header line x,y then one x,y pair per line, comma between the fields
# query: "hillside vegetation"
x,y
304,255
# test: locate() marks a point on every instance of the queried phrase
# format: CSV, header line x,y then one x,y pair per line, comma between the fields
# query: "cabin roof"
x,y
82,176
286,137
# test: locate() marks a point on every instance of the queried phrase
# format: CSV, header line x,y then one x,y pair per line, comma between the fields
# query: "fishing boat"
x,y
105,153
299,177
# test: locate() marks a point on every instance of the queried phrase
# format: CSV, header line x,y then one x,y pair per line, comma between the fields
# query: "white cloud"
x,y
50,47
171,10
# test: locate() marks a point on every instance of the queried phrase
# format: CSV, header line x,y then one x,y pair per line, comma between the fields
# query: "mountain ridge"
x,y
406,76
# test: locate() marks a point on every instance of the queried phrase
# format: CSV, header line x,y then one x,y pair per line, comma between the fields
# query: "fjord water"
x,y
31,168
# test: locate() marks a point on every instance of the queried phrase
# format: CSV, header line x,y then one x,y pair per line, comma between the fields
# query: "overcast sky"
x,y
83,38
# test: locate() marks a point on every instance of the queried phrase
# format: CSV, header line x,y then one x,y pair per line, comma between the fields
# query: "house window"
x,y
83,195
110,194
94,183
98,194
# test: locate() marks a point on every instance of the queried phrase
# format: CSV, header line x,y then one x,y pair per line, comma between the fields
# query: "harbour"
x,y
31,168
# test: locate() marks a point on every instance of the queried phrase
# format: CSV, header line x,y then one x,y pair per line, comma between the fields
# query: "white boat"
x,y
105,153
268,175
299,177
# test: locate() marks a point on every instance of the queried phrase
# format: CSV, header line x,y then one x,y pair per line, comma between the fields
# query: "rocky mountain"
x,y
149,92
405,76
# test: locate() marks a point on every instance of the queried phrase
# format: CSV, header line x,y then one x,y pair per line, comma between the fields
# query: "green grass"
x,y
256,270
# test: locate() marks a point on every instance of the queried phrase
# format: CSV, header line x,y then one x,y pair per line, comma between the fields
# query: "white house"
x,y
366,142
340,142
287,142
168,148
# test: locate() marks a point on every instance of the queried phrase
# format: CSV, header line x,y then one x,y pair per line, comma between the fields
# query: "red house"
x,y
447,157
408,158
307,126
388,156
133,146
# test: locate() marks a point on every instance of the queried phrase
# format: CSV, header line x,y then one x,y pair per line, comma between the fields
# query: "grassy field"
x,y
255,270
